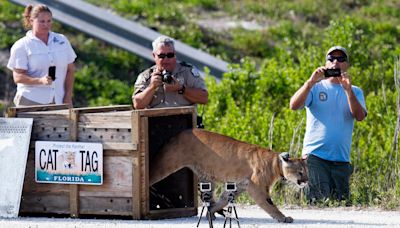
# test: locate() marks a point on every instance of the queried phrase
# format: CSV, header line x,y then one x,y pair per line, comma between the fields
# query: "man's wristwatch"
x,y
182,90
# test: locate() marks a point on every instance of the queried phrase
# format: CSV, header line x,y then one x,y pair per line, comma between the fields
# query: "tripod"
x,y
231,208
205,198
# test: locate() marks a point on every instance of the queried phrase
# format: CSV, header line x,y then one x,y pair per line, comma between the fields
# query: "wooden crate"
x,y
131,139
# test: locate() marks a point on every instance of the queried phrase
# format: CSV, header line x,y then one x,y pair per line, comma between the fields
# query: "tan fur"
x,y
216,157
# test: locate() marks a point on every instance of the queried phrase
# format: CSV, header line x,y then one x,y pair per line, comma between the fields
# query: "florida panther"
x,y
216,157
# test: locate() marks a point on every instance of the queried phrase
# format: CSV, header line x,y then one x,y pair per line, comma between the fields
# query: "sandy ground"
x,y
250,216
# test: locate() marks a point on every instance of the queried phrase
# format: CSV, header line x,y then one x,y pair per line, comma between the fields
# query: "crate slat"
x,y
100,205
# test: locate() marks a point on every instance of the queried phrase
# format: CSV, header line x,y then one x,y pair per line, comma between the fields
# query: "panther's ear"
x,y
284,156
304,159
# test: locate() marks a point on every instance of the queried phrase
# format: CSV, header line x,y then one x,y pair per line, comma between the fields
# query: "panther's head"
x,y
294,169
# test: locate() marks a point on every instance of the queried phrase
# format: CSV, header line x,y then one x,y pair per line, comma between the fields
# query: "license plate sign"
x,y
69,162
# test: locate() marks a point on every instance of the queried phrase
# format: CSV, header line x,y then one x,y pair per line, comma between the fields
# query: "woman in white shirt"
x,y
33,55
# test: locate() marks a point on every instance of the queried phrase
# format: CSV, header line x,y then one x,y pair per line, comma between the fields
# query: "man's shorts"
x,y
23,101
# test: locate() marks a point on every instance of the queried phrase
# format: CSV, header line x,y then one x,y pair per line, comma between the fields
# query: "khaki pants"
x,y
22,101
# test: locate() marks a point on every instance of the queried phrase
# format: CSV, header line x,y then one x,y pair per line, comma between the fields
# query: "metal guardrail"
x,y
122,33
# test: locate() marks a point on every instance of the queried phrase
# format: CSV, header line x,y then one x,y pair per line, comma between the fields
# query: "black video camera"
x,y
166,77
332,72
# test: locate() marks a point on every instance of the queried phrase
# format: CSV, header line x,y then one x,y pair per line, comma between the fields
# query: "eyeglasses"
x,y
340,59
169,55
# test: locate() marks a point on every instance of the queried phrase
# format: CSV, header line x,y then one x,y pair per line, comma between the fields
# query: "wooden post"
x,y
195,178
136,208
74,188
145,160
144,164
11,112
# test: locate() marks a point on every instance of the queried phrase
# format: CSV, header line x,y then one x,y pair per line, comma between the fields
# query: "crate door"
x,y
177,190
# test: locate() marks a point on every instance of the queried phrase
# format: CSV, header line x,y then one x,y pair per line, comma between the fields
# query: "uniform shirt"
x,y
184,73
31,54
329,121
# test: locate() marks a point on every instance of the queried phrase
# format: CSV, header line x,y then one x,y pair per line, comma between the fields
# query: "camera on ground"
x,y
205,186
206,191
230,187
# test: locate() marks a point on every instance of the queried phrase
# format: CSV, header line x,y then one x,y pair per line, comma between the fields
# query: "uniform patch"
x,y
323,96
55,40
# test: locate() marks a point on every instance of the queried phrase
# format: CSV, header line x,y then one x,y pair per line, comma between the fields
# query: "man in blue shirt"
x,y
332,103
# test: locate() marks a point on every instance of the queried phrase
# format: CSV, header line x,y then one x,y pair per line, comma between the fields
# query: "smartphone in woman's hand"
x,y
52,72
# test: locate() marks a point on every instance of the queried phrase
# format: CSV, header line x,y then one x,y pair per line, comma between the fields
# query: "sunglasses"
x,y
169,55
340,59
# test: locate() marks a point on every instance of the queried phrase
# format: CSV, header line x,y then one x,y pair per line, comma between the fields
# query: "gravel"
x,y
249,216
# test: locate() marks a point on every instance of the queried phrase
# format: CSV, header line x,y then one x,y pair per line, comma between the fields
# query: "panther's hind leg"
x,y
226,196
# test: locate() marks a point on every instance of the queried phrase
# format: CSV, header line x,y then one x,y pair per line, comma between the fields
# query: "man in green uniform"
x,y
169,83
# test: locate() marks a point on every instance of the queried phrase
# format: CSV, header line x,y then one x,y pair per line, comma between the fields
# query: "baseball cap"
x,y
337,48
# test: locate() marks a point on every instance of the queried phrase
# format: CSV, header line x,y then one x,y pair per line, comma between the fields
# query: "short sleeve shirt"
x,y
185,74
330,123
31,54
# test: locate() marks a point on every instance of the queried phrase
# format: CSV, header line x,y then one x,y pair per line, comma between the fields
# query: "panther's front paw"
x,y
286,219
222,212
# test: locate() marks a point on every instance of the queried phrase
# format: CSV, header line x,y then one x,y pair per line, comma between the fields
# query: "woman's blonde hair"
x,y
32,12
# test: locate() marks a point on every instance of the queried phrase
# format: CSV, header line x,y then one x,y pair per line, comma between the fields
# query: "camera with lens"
x,y
205,186
166,77
206,191
230,187
332,72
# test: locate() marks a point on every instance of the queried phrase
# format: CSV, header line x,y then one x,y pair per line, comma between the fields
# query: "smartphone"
x,y
52,72
332,73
